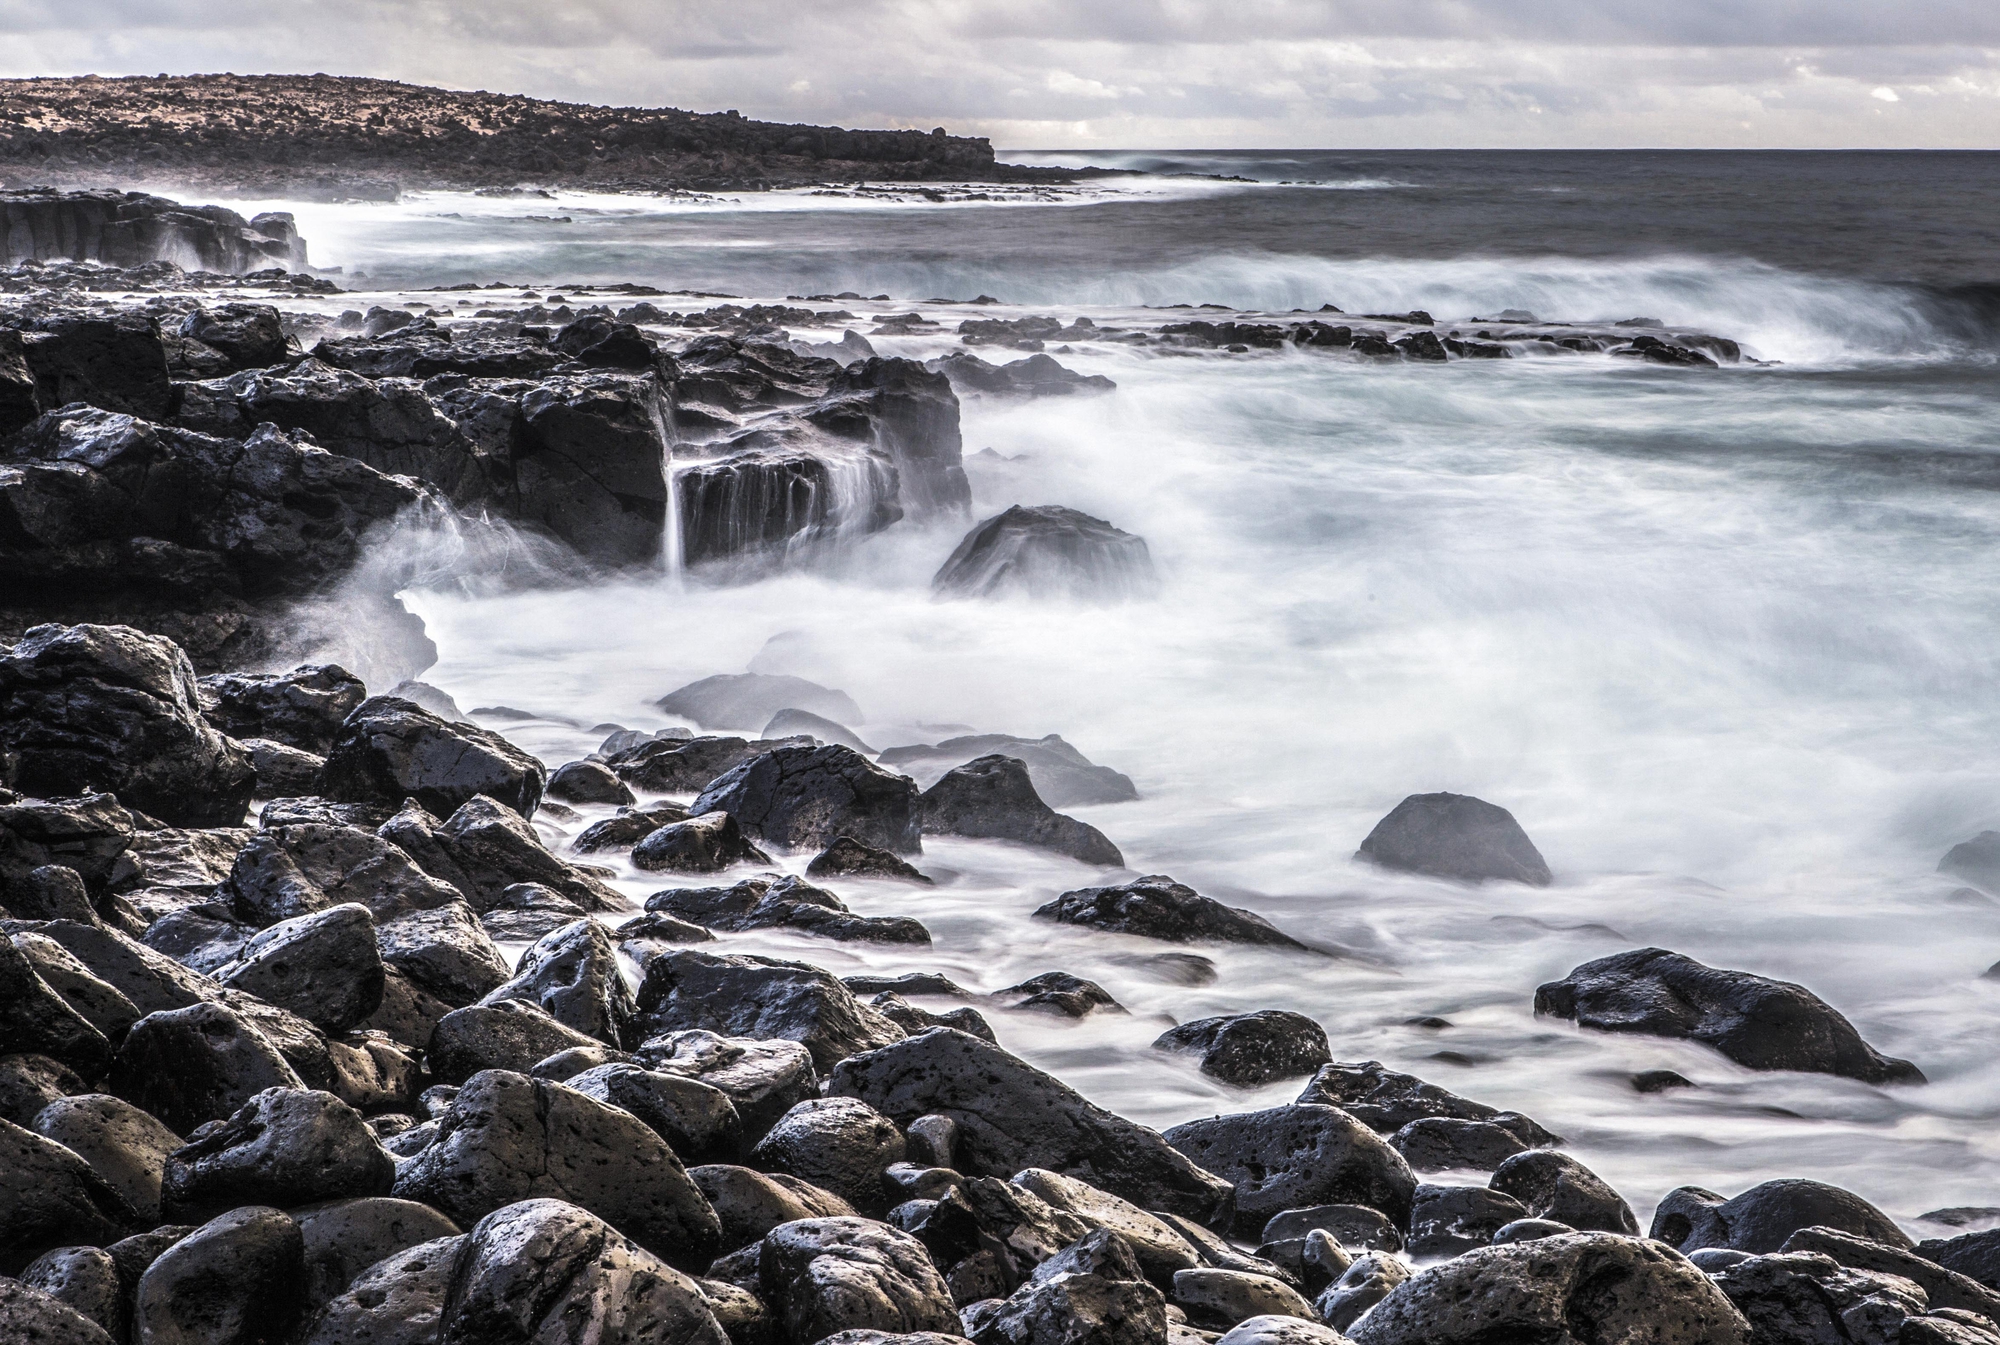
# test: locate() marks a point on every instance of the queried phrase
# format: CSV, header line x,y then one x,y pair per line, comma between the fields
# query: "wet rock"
x,y
196,941
1286,1157
1367,1282
1942,1288
683,766
914,1020
201,1063
1808,1297
564,1066
572,974
290,871
125,1146
389,750
88,833
849,858
1387,1100
29,1083
83,1278
1058,992
491,848
189,861
343,1238
303,708
1976,1255
1222,1298
764,1079
237,1280
993,797
990,1236
590,465
34,1316
838,1144
1073,1308
507,1137
1251,1048
398,1300
248,336
788,903
510,1034
1527,1230
1762,1218
1048,552
1448,1220
1158,1248
151,981
1036,376
285,1147
102,1005
281,769
1157,907
444,951
747,996
1757,1022
828,1275
1216,1251
806,797
1278,1330
1012,1116
325,967
1556,1186
740,700
1659,1081
1436,1143
643,936
1583,1287
85,707
1314,1261
1353,1225
53,1198
1061,775
1455,836
588,782
629,827
531,912
35,1020
698,1121
750,1204
907,983
706,844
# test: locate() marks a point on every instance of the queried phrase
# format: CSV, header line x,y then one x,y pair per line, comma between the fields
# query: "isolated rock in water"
x,y
397,1299
285,1147
572,973
35,1020
743,700
764,1079
1251,1048
588,782
1448,1220
1063,776
389,750
1047,551
303,708
849,858
791,723
52,1199
758,997
992,796
1761,1219
236,1280
109,707
1157,907
1287,1157
1977,861
789,903
698,1121
325,967
1455,836
806,797
1757,1022
828,1275
839,1144
1556,1186
706,844
627,828
509,1035
1435,1143
1584,1287
1012,1116
124,1145
197,1064
1059,992
1038,375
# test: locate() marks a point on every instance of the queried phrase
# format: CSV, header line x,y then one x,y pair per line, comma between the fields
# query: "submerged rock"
x,y
744,700
1047,551
1455,836
1157,907
1062,776
992,796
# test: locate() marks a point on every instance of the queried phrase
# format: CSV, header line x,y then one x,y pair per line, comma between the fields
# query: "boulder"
x,y
839,1274
1942,1288
1386,1100
1762,1218
29,1083
992,796
399,1300
1303,1154
748,996
1366,1282
572,973
1158,1248
53,1199
1555,1186
743,700
913,1020
1012,1116
627,828
88,833
389,750
1222,1298
101,1004
283,770
1585,1287
248,336
1061,775
1448,1220
83,1278
508,1034
1527,1230
1048,552
445,952
527,912
201,1063
1073,1308
788,903
698,1121
763,1079
325,967
1280,1330
684,765
838,1144
125,1146
51,892
150,981
1455,836
591,465
288,871
1157,907
1757,1022
1250,1049
286,1146
303,708
789,723
849,858
644,936
1353,1225
237,1280
1058,992
114,361
1975,1255
803,798
1438,1143
34,1316
343,1238
488,848
108,707
506,1138
588,782
706,844
1803,1296
750,1204
35,1020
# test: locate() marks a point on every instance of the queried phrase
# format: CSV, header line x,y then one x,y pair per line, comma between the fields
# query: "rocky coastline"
x,y
321,1022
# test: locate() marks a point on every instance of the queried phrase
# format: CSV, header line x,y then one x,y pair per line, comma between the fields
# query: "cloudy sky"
x,y
1153,73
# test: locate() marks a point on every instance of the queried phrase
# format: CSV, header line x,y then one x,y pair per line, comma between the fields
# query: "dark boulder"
x,y
1976,1255
28,1083
1047,551
1158,1248
849,858
149,980
1012,1116
1556,1186
101,1005
35,1020
588,782
247,336
1073,1308
325,967
109,707
828,1275
1757,1022
683,765
803,798
1436,1143
1221,1298
763,1079
706,844
1455,836
788,903
992,796
791,723
698,1121
509,1034
1942,1288
88,833
124,1145
116,362
1387,1100
838,1144
52,1199
909,413
397,1300
573,974
591,465
1038,375
1449,1220
627,828
34,1316
1250,1049
1058,992
296,869
285,1147
750,1204
1807,1296
605,343
488,847
913,1020
283,770
445,953
343,1238
747,996
237,1280
1157,907
1365,1282
303,708
1286,1157
201,1063
1761,1219
745,700
83,1278
389,750
1063,776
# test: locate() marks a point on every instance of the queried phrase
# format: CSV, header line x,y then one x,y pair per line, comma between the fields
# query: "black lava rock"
x,y
1157,907
1455,836
804,798
1251,1048
389,750
992,796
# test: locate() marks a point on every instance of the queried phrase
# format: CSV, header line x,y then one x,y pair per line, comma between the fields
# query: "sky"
x,y
1086,74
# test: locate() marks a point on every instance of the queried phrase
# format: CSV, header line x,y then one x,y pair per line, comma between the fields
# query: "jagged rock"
x,y
124,1145
1061,775
1060,993
510,1034
1556,1186
29,1083
445,952
108,706
849,858
588,782
990,1236
389,750
838,1144
1436,1143
398,1300
698,1121
1810,1297
914,1020
1286,1157
507,1137
1157,907
1942,1288
1073,1308
34,1316
1038,375
992,796
201,1063
789,903
490,847
186,861
591,465
747,996
750,1204
53,1198
1455,836
1583,1287
1448,1220
1158,1248
83,1278
763,1079
806,797
281,769
129,228
1251,1048
789,723
303,708
1757,1022
289,871
828,1275
1012,1116
343,1238
644,936
1761,1219
248,336
51,892
35,1020
628,827
1387,1100
237,1280
606,343
325,967
573,974
1047,551
683,766
285,1147
705,844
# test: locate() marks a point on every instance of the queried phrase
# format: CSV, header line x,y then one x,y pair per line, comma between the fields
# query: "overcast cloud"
x,y
1152,73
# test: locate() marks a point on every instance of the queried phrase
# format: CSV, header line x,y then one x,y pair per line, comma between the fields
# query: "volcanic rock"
x,y
992,796
1251,1048
1455,836
1157,907
389,750
1048,552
